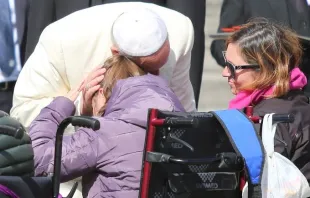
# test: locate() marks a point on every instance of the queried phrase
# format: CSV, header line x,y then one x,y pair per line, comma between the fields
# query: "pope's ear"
x,y
114,50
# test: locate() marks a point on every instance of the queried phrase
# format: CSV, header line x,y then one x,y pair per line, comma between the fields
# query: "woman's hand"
x,y
92,85
74,93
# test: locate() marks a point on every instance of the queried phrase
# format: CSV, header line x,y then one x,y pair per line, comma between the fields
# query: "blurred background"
x,y
215,92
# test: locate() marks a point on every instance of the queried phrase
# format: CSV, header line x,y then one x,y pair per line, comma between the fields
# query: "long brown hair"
x,y
118,67
274,47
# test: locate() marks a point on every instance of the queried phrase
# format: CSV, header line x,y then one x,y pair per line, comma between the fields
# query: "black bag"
x,y
17,165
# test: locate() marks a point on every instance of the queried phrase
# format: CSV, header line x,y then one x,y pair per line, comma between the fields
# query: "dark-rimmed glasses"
x,y
232,68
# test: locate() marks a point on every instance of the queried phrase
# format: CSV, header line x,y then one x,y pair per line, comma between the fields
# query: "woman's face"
x,y
242,76
98,101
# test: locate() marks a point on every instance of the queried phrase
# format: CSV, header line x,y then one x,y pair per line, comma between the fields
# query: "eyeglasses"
x,y
232,68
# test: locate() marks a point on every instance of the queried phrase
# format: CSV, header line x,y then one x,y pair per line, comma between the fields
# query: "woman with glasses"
x,y
262,61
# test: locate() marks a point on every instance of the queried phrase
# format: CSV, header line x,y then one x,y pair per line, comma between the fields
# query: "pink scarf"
x,y
245,98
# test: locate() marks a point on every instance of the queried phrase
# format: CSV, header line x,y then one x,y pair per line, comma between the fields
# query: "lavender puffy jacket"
x,y
109,159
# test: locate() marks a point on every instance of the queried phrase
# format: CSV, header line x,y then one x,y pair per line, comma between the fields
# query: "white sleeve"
x,y
180,83
42,78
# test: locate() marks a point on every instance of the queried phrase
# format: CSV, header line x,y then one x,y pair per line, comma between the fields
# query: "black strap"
x,y
255,191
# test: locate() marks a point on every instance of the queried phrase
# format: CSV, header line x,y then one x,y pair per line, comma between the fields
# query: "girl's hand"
x,y
74,93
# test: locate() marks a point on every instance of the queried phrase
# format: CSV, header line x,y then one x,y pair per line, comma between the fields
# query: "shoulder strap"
x,y
246,142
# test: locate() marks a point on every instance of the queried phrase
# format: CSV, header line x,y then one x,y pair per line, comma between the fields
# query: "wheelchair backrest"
x,y
189,160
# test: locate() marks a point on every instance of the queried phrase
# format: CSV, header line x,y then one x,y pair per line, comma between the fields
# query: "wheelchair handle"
x,y
277,118
175,122
82,121
87,122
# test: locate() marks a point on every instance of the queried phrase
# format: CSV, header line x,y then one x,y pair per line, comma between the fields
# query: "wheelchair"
x,y
189,155
18,182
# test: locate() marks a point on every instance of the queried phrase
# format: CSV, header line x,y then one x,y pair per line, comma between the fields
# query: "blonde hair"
x,y
118,67
275,48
